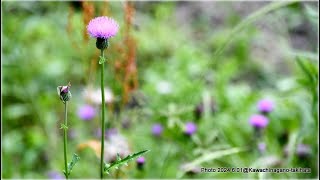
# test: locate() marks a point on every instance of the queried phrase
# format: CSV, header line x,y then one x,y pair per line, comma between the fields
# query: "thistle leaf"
x,y
64,172
119,162
118,157
75,159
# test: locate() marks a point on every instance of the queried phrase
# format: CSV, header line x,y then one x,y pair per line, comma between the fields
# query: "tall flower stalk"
x,y
102,117
65,95
65,138
102,28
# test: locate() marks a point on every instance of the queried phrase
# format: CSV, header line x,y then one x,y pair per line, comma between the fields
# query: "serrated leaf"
x,y
119,162
75,159
118,157
106,165
102,59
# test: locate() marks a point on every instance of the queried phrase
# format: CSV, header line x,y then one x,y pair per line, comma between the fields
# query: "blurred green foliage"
x,y
38,55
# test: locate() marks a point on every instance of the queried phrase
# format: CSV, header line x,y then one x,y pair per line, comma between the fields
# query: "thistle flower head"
x,y
102,27
265,105
157,129
86,112
258,121
141,160
190,128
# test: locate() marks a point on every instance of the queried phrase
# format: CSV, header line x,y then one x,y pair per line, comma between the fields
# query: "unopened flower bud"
x,y
64,92
140,162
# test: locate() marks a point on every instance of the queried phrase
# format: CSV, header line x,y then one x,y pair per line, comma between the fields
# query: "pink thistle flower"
x,y
265,105
258,121
102,27
190,128
157,129
86,112
141,160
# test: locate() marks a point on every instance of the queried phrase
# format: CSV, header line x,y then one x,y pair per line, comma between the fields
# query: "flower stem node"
x,y
63,126
102,59
102,43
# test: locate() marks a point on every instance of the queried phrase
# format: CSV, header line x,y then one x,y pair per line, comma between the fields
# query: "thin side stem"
x,y
102,118
65,140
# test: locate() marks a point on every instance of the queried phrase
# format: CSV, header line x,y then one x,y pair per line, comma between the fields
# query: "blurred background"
x,y
183,79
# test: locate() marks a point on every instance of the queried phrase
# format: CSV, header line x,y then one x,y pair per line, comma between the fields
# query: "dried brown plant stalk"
x,y
88,14
125,67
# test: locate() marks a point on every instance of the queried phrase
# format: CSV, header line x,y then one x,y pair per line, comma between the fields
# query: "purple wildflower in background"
x,y
55,175
303,150
72,134
97,133
157,129
190,128
102,27
258,121
87,112
111,132
265,106
262,147
108,133
140,162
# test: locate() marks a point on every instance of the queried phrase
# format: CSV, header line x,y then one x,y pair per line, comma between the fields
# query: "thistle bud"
x,y
140,162
64,92
102,43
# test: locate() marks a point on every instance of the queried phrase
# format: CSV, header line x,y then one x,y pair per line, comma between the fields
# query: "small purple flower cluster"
x,y
302,151
189,129
140,162
260,121
265,106
86,112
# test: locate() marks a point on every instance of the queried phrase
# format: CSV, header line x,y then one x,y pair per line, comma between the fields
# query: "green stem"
x,y
65,140
102,122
